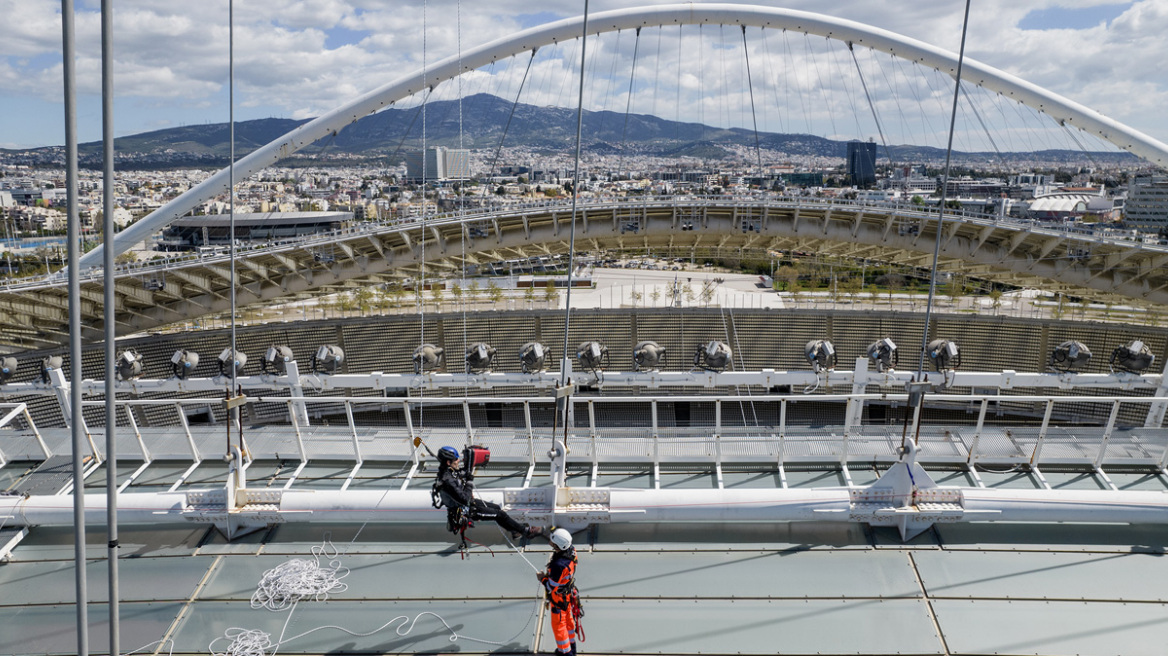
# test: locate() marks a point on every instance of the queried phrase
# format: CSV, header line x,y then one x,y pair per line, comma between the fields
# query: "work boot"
x,y
535,532
572,651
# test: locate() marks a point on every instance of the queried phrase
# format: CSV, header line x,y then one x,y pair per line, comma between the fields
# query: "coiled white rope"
x,y
284,585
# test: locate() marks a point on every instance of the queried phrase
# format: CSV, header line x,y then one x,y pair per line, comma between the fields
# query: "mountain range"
x,y
385,137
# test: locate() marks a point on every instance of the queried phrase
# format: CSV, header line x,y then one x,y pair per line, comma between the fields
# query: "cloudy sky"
x,y
297,58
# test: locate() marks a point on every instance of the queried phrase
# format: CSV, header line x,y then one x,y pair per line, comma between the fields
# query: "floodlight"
x,y
1134,358
327,359
821,354
50,363
129,365
230,359
944,354
531,357
479,358
427,357
713,356
593,356
275,360
1069,356
183,363
8,367
648,355
884,354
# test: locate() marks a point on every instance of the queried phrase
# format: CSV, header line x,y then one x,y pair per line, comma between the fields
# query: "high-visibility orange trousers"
x,y
564,629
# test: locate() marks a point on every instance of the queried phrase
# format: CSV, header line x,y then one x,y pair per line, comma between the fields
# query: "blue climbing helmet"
x,y
447,454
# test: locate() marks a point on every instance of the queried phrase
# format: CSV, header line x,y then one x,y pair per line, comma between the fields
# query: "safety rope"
x,y
421,284
461,190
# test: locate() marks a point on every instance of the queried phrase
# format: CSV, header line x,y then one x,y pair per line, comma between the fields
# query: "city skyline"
x,y
318,54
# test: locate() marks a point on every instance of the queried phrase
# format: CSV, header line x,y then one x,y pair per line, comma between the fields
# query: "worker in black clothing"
x,y
454,489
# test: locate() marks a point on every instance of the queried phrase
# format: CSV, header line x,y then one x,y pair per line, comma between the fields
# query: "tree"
x,y
788,275
494,293
995,299
851,287
917,200
635,296
383,297
456,291
707,294
529,296
500,191
656,296
363,299
550,293
796,289
436,291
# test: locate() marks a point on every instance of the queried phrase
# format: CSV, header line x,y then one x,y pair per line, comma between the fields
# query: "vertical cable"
x,y
507,127
233,413
421,288
944,189
628,104
74,253
111,396
871,105
461,202
753,115
575,195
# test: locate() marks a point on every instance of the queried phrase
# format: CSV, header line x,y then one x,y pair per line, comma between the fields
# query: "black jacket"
x,y
452,484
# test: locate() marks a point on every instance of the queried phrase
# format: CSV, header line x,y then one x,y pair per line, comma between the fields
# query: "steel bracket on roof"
x,y
570,507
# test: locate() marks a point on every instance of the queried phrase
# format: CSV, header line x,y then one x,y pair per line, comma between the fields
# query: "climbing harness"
x,y
577,610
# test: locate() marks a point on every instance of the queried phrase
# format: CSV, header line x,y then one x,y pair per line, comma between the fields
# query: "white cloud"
x,y
288,63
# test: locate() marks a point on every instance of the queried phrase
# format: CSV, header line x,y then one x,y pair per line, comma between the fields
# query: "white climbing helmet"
x,y
561,539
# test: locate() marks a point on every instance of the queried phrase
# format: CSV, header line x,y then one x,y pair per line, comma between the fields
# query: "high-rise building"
x,y
1147,203
441,164
457,164
862,163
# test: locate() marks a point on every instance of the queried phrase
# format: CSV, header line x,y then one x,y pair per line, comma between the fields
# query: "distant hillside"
x,y
389,133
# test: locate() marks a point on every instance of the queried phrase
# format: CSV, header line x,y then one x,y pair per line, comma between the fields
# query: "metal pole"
x,y
944,189
111,457
74,285
575,195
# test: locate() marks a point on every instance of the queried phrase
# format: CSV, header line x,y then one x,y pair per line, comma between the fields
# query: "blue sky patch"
x,y
1059,18
338,36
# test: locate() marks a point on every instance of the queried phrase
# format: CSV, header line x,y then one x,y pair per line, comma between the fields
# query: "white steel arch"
x,y
1059,108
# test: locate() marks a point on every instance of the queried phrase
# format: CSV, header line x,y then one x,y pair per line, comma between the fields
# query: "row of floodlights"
x,y
593,356
1070,356
130,363
326,359
944,354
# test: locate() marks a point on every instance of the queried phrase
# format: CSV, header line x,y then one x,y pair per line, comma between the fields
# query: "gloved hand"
x,y
541,577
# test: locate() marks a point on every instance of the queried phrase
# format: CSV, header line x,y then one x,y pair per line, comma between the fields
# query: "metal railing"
x,y
628,430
